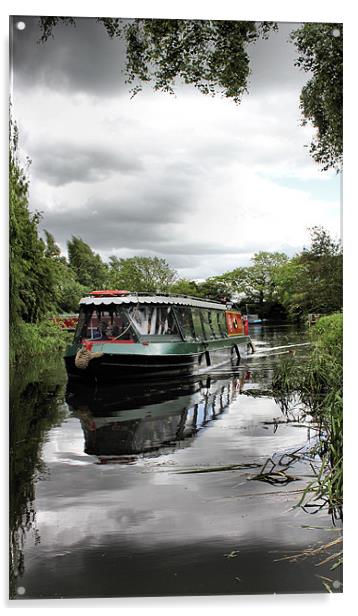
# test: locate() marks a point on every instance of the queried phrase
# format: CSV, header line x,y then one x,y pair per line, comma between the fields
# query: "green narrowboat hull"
x,y
141,360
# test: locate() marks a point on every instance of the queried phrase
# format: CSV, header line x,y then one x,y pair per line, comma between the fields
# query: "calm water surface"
x,y
148,490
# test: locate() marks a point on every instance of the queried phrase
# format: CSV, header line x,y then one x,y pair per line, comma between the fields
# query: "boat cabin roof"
x,y
125,297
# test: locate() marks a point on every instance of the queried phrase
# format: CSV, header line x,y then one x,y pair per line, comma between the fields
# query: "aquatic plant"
x,y
317,387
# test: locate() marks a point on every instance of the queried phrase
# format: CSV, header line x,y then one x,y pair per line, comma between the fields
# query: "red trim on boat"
x,y
90,343
108,293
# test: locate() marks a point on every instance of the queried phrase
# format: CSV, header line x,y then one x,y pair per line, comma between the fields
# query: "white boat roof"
x,y
153,299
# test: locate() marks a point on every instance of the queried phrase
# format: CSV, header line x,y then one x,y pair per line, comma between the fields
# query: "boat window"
x,y
151,320
186,321
198,326
103,323
208,324
220,315
214,323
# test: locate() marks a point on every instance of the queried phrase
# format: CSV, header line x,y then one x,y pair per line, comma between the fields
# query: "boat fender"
x,y
84,356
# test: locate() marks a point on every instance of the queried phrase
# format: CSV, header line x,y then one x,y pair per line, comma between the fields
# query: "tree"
x,y
210,55
312,281
320,48
216,288
185,287
150,274
323,264
68,290
322,244
88,266
256,284
32,275
52,249
290,280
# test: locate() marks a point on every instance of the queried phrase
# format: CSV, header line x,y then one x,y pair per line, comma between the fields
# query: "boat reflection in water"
x,y
121,423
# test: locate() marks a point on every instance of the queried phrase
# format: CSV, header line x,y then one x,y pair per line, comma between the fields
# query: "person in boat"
x,y
113,331
106,330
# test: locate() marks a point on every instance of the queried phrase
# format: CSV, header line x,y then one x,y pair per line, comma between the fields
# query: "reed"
x,y
316,387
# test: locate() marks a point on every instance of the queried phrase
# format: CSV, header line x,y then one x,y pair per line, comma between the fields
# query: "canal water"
x,y
150,490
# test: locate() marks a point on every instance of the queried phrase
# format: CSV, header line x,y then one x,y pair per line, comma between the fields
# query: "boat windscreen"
x,y
152,320
103,323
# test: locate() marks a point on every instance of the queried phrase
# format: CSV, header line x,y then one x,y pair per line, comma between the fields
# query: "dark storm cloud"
x,y
77,59
63,163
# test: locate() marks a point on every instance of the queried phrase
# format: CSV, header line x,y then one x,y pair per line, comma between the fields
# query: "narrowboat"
x,y
123,335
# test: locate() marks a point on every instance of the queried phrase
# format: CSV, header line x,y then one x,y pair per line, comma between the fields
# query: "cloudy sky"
x,y
200,181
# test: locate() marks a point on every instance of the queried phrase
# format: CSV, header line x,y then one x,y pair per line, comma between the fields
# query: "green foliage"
x,y
327,337
52,251
259,281
318,386
312,282
256,284
32,276
35,339
210,55
216,288
185,287
70,293
320,48
68,290
150,274
291,286
87,266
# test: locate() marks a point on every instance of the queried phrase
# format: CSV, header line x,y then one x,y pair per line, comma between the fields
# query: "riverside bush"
x,y
35,339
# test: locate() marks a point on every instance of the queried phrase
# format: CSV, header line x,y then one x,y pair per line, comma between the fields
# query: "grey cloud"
x,y
143,218
60,164
272,62
77,59
185,249
102,232
111,227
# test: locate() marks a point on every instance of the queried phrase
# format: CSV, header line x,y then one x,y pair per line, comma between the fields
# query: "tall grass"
x,y
317,385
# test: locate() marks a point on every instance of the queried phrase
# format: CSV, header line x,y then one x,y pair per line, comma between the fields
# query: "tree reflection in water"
x,y
35,397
